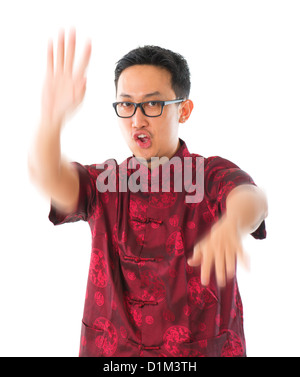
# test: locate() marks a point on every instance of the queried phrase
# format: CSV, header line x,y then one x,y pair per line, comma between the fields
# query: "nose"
x,y
139,120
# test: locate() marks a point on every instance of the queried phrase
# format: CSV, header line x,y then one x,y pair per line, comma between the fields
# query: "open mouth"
x,y
143,140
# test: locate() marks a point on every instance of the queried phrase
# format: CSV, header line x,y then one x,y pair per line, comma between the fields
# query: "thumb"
x,y
79,91
244,259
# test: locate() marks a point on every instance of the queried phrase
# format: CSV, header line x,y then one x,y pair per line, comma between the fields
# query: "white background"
x,y
244,58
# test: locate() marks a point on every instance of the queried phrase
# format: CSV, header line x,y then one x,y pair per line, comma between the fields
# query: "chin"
x,y
146,154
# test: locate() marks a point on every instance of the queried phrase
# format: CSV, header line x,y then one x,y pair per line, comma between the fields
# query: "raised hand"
x,y
64,89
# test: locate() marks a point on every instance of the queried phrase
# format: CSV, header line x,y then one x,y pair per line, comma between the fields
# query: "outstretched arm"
x,y
246,208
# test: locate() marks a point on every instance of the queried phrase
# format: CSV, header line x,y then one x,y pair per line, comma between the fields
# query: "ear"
x,y
185,110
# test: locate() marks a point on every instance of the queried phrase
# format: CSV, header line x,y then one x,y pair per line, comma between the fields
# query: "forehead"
x,y
139,80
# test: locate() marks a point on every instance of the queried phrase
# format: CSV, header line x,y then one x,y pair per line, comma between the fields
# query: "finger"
x,y
207,260
230,261
195,260
84,61
50,58
220,268
71,51
60,51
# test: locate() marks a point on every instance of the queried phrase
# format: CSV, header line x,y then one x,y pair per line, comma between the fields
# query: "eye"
x,y
153,103
125,104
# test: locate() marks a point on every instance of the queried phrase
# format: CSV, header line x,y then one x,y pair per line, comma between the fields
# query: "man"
x,y
162,272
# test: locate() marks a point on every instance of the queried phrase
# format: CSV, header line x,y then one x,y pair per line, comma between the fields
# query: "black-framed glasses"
x,y
150,108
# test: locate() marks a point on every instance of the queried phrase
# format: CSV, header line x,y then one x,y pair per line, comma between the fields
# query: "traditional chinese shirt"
x,y
142,297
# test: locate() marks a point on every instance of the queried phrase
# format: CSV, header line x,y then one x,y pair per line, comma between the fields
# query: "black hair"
x,y
161,57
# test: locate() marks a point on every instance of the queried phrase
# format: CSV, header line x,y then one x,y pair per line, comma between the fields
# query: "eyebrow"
x,y
145,96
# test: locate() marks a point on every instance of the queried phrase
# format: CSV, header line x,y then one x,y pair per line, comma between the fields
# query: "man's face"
x,y
140,83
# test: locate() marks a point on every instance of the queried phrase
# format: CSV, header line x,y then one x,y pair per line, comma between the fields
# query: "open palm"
x,y
64,89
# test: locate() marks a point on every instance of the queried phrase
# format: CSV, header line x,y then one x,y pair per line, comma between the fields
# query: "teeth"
x,y
141,136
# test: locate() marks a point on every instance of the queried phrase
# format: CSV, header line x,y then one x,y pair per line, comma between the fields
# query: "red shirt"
x,y
142,297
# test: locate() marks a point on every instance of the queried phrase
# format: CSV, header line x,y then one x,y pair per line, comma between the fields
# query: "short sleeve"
x,y
220,177
86,200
